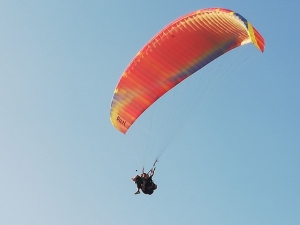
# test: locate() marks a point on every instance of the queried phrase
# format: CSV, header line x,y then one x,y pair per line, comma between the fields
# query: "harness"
x,y
150,186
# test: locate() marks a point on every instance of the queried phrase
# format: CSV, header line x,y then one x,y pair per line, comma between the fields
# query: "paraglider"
x,y
145,182
176,52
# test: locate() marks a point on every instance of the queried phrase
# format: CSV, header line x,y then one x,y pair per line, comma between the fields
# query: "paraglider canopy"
x,y
176,52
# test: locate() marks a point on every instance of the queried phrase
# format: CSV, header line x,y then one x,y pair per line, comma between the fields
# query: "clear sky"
x,y
236,161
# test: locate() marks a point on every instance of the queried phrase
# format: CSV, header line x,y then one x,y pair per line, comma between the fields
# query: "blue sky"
x,y
235,161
